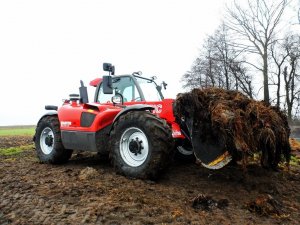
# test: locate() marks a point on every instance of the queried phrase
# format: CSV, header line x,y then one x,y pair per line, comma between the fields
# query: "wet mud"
x,y
87,190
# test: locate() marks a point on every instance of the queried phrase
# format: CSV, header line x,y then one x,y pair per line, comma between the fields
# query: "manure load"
x,y
227,125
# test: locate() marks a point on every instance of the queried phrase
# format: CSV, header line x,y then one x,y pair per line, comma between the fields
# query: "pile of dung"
x,y
246,126
266,205
207,203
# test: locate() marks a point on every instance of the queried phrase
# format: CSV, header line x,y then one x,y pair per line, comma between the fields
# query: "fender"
x,y
139,107
50,113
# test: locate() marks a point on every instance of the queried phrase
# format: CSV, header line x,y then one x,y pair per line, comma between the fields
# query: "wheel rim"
x,y
184,151
134,147
47,141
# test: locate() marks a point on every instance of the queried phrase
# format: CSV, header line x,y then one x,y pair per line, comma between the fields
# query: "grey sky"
x,y
46,47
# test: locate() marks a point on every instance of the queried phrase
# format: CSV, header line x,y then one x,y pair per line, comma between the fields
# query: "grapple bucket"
x,y
211,151
224,125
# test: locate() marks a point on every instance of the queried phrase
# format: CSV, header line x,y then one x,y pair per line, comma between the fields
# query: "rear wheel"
x,y
48,143
142,145
184,151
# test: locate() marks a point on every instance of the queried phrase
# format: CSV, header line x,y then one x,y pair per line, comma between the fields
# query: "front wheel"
x,y
142,145
48,142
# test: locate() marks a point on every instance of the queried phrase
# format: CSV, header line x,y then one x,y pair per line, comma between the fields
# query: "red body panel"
x,y
164,110
70,114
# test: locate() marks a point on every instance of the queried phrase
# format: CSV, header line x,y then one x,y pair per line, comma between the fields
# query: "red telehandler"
x,y
129,120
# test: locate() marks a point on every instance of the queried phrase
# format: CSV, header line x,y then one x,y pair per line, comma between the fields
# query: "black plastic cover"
x,y
87,119
107,85
51,107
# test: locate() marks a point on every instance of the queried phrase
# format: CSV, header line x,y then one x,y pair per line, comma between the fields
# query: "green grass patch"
x,y
15,150
17,131
294,161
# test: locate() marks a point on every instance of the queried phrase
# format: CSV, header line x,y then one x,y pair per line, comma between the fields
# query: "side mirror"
x,y
165,85
117,99
109,68
107,85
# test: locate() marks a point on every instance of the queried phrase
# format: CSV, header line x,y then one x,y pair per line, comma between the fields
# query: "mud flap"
x,y
211,152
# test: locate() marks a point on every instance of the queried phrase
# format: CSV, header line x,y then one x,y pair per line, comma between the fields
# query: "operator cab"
x,y
129,88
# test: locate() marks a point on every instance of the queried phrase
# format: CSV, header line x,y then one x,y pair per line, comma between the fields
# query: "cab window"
x,y
122,85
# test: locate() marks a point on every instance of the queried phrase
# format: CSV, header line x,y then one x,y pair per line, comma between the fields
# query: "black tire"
x,y
148,148
48,144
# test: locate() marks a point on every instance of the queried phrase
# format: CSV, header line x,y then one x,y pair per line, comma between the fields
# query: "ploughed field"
x,y
86,190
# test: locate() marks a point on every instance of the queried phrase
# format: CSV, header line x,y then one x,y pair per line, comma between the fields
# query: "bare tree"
x,y
290,73
218,66
203,73
194,77
256,24
224,55
279,56
243,81
234,73
286,59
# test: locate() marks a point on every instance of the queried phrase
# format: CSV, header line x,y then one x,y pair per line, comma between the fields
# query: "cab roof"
x,y
96,81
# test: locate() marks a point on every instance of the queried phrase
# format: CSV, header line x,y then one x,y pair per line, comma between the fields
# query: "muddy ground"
x,y
87,191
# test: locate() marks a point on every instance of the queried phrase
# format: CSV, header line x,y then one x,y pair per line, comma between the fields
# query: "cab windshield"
x,y
149,89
